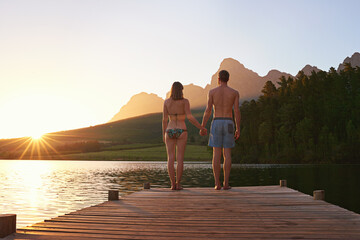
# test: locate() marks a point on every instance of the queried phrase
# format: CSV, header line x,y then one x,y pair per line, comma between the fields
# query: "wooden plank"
x,y
265,212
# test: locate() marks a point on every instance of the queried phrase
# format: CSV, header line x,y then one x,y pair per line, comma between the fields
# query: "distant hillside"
x,y
138,132
196,95
308,69
247,82
354,60
308,119
141,129
140,104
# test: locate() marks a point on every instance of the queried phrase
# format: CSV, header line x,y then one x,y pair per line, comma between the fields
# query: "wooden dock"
x,y
267,212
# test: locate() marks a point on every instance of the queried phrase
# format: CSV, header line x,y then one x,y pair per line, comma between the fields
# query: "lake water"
x,y
38,190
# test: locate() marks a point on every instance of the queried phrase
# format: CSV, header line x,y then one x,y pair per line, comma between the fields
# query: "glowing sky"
x,y
70,63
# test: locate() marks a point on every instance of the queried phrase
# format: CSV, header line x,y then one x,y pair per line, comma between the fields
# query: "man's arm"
x,y
208,109
237,116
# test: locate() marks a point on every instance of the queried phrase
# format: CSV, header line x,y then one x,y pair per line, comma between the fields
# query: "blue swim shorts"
x,y
222,133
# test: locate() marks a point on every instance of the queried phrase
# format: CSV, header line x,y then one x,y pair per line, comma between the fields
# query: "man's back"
x,y
223,99
222,136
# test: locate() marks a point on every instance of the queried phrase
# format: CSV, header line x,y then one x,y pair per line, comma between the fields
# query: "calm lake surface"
x,y
38,190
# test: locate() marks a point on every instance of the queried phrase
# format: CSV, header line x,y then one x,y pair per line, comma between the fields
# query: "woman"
x,y
176,109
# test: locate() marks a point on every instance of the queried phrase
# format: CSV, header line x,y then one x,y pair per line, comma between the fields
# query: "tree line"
x,y
306,119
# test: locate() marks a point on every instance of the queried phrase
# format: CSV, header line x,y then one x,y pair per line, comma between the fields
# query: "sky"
x,y
66,64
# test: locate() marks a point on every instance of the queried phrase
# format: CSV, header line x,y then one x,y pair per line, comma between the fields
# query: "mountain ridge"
x,y
247,82
140,104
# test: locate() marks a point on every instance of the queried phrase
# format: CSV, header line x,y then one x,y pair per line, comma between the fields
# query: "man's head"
x,y
224,76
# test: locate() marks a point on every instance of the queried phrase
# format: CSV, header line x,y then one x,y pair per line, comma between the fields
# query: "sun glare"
x,y
36,136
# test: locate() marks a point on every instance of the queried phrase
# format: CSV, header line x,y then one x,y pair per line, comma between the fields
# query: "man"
x,y
222,137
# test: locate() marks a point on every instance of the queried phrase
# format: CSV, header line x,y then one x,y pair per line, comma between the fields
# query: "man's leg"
x,y
227,167
216,166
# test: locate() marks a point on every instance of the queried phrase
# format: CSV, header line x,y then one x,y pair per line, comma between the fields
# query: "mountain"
x,y
247,82
354,60
308,69
140,104
196,95
274,76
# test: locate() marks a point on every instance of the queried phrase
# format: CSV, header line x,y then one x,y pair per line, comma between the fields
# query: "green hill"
x,y
133,133
143,129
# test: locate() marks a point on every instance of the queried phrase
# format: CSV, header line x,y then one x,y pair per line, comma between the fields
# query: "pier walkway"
x,y
265,212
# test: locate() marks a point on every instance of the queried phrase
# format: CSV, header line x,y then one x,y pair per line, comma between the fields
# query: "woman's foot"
x,y
173,187
227,187
179,187
217,187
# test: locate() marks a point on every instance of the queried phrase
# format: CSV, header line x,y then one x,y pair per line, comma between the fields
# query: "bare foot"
x,y
227,187
179,187
173,187
217,187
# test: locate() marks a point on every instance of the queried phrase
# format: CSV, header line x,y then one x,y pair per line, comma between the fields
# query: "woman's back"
x,y
176,112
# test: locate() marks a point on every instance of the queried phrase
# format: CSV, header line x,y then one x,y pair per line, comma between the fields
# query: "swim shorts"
x,y
222,133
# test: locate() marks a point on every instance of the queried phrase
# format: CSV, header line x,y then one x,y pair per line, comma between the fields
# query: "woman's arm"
x,y
164,121
191,118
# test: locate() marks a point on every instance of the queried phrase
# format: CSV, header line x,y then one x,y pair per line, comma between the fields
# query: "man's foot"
x,y
217,187
227,187
179,187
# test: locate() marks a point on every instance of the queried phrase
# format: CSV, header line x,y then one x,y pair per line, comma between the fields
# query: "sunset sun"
x,y
36,136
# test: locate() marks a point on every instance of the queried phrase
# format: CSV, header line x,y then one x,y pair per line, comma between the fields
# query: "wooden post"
x,y
147,185
319,195
113,195
7,224
282,183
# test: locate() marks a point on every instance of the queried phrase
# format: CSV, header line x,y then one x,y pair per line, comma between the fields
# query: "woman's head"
x,y
177,91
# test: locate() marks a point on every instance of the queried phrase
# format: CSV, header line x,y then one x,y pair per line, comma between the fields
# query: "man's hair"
x,y
176,91
224,75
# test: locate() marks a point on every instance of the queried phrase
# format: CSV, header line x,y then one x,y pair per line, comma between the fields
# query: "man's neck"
x,y
222,84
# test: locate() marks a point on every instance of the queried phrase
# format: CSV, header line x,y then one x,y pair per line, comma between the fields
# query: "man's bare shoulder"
x,y
233,90
213,90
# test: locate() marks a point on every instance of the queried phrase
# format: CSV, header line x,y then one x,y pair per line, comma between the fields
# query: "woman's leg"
x,y
181,146
170,148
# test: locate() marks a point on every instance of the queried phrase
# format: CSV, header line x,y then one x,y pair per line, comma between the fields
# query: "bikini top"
x,y
176,116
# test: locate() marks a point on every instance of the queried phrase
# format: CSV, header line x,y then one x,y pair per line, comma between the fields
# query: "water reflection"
x,y
38,190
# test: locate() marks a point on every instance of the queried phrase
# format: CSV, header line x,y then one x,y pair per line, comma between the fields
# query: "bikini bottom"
x,y
175,133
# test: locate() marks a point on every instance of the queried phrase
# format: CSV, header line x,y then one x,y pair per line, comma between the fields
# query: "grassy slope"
x,y
141,133
143,129
193,153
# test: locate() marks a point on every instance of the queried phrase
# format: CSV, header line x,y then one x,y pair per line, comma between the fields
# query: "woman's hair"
x,y
176,91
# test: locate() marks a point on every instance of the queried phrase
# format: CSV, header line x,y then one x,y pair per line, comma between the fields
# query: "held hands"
x,y
203,131
237,134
